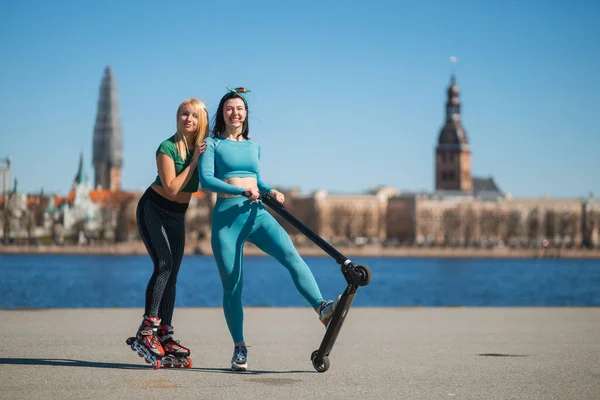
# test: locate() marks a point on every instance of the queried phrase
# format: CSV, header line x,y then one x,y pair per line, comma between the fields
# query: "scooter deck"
x,y
337,320
320,357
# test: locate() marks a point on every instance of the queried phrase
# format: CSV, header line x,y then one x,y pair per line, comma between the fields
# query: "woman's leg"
x,y
231,224
271,238
175,232
151,226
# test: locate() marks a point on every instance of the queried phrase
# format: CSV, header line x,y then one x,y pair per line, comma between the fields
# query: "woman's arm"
x,y
262,187
171,182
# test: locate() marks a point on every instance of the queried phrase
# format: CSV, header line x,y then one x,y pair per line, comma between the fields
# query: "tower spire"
x,y
453,103
108,140
79,175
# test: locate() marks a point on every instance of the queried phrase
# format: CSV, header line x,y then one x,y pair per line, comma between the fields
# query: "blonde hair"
x,y
202,133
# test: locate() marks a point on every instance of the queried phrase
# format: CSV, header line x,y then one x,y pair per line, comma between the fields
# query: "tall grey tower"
x,y
108,138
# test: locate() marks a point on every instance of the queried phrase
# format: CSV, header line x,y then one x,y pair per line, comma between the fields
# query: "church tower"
x,y
453,154
108,140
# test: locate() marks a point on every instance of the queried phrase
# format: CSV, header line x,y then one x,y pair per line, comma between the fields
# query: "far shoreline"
x,y
203,248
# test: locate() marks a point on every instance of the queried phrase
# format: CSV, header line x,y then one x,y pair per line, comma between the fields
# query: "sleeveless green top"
x,y
168,147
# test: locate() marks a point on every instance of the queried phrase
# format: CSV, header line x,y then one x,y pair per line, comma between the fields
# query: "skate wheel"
x,y
139,355
147,361
321,364
188,363
157,365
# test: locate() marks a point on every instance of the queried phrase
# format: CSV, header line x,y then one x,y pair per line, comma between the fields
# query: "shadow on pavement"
x,y
95,364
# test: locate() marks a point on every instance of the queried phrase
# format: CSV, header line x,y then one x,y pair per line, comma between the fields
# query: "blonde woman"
x,y
161,224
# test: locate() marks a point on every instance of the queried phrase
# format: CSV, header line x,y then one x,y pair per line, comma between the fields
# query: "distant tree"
x,y
6,215
565,225
490,223
451,225
105,222
502,217
551,223
30,225
122,225
424,224
367,224
533,224
514,225
340,218
594,227
470,222
574,225
349,232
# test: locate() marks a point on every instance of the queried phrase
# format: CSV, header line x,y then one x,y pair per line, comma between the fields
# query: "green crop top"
x,y
168,147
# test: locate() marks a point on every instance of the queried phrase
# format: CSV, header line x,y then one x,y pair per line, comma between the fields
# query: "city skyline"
x,y
369,115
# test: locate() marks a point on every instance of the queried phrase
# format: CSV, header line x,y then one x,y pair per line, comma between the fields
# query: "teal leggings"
x,y
236,220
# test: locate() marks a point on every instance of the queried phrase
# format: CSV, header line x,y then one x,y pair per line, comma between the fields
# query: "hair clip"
x,y
238,90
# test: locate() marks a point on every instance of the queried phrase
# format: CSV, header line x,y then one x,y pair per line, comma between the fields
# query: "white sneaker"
x,y
239,361
327,310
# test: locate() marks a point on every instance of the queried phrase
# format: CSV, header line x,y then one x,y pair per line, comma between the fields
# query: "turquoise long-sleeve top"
x,y
226,158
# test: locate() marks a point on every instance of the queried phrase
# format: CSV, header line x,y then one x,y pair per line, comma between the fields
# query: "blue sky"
x,y
345,95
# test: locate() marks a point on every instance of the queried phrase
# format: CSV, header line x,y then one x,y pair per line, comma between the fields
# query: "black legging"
x,y
161,224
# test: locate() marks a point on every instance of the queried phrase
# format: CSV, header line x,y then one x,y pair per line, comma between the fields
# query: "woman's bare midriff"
x,y
243,183
181,197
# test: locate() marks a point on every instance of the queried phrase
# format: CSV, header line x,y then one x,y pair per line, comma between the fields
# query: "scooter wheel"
x,y
364,275
321,364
